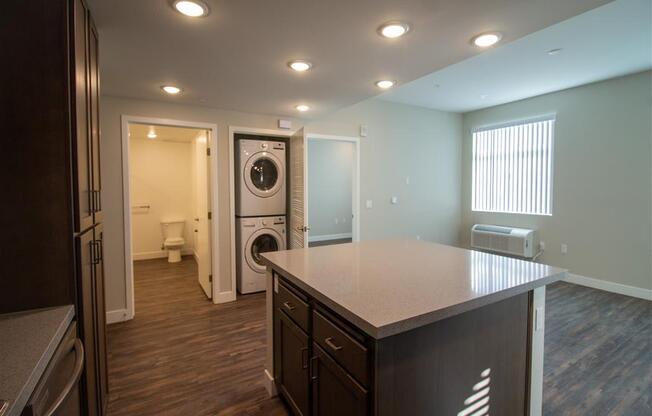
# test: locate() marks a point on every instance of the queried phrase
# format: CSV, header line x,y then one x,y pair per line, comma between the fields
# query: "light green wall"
x,y
404,141
602,178
330,180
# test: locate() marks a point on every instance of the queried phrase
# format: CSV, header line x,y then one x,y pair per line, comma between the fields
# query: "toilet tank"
x,y
173,228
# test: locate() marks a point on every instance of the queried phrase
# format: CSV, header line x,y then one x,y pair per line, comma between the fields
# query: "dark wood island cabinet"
x,y
453,333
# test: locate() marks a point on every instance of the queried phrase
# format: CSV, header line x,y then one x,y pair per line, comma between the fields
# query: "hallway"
x,y
172,358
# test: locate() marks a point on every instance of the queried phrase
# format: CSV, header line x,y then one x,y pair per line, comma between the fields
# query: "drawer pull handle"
x,y
329,342
289,306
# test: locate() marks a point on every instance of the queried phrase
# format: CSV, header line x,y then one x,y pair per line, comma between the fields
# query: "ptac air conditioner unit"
x,y
508,240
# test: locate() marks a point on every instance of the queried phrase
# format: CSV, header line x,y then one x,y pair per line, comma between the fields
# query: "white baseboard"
x,y
148,255
118,315
328,237
270,385
637,292
224,297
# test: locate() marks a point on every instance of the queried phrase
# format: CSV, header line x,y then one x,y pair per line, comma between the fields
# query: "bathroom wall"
x,y
161,177
330,180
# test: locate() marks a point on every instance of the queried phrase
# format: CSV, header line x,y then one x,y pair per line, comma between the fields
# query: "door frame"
x,y
126,194
355,197
233,130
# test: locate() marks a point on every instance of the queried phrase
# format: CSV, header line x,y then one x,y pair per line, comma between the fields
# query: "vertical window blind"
x,y
512,168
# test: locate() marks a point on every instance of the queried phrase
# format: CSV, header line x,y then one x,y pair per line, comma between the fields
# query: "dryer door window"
x,y
263,244
264,174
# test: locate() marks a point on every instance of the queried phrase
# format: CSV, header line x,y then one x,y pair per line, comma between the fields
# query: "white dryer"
x,y
254,237
260,178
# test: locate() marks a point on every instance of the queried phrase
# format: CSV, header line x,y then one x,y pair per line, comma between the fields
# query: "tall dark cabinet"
x,y
51,210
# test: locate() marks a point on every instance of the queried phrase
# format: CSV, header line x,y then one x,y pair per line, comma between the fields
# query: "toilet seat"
x,y
174,241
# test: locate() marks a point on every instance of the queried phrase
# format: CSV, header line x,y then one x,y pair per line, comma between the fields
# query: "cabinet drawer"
x,y
293,306
348,352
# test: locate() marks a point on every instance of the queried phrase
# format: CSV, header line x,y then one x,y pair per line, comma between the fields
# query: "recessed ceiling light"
x,y
385,84
191,8
393,29
151,134
171,89
485,40
302,107
554,51
300,66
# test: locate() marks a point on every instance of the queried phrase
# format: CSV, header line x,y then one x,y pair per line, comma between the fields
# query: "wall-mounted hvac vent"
x,y
508,240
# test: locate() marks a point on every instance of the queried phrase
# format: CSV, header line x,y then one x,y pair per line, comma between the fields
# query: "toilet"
x,y
173,238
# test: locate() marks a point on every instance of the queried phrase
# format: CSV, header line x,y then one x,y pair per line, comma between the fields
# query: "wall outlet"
x,y
564,248
418,237
337,220
407,180
542,246
394,200
369,204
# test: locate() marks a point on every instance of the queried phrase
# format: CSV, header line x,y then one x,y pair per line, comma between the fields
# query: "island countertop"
x,y
387,287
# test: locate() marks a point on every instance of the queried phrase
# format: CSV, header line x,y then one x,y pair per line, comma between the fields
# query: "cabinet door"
x,y
94,116
83,188
100,319
334,391
294,380
85,311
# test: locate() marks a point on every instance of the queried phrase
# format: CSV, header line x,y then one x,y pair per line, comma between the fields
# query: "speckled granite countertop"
x,y
27,342
388,287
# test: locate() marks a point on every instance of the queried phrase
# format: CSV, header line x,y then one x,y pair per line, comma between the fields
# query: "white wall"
x,y
330,180
161,176
403,141
602,178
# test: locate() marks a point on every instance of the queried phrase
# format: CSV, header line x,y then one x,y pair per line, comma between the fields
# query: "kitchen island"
x,y
405,327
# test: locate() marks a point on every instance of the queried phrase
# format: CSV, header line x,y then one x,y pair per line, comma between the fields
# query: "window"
x,y
512,168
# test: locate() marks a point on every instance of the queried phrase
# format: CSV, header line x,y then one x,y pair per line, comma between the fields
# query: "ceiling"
x,y
609,41
236,57
165,133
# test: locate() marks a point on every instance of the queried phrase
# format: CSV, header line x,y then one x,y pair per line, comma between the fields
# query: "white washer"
x,y
260,178
254,237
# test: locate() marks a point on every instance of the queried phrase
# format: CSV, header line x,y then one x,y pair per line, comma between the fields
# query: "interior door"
x,y
202,222
297,214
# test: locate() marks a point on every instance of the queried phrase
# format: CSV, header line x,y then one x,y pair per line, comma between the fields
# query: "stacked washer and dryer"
x,y
260,205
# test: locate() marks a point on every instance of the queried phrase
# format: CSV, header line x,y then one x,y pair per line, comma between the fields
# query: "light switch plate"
x,y
394,200
364,130
369,204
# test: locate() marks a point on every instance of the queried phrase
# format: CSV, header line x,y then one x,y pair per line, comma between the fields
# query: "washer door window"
x,y
263,174
262,241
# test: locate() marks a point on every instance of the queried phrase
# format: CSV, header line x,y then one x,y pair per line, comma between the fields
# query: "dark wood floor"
x,y
598,353
182,355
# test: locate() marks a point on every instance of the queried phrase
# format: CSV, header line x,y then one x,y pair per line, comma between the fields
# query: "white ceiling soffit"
x,y
610,41
236,58
165,133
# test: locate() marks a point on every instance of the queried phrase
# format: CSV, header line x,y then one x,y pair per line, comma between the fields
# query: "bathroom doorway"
x,y
170,180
